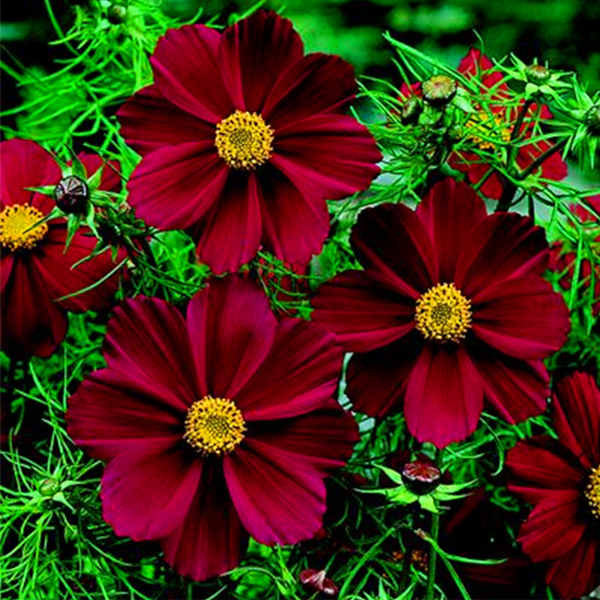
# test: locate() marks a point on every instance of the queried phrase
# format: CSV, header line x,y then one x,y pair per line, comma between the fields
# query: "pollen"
x,y
244,140
443,313
484,127
592,492
214,426
20,227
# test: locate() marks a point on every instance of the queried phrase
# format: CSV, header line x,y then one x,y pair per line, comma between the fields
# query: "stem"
x,y
541,159
434,534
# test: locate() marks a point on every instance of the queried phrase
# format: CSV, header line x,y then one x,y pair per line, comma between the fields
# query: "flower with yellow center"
x,y
443,313
214,426
244,140
20,227
592,492
482,126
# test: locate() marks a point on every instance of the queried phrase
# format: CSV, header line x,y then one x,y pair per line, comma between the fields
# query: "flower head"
x,y
561,479
440,318
214,427
243,137
36,270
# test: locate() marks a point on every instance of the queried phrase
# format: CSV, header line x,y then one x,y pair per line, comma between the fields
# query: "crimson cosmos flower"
x,y
243,138
214,428
35,269
450,309
561,479
475,64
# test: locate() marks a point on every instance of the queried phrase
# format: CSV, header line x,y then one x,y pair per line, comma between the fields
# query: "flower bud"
x,y
592,120
72,195
439,90
410,110
116,14
317,581
421,476
49,487
537,74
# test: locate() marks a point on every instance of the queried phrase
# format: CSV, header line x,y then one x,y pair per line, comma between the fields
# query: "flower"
x,y
441,317
561,479
36,271
216,427
243,138
475,64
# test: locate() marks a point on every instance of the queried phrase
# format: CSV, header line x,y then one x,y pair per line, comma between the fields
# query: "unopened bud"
x,y
317,581
116,14
439,90
49,487
410,110
72,195
592,120
421,476
537,73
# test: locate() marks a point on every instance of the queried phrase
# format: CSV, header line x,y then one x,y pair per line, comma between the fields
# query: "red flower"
x,y
442,316
214,428
561,479
242,140
35,269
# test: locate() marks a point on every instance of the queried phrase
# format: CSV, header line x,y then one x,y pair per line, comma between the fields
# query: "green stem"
x,y
434,534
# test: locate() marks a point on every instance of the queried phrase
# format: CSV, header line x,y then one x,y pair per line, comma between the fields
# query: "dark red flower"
x,y
243,138
561,479
35,269
214,427
441,317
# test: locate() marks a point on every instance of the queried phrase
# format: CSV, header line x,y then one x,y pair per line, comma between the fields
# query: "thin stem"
x,y
434,534
541,159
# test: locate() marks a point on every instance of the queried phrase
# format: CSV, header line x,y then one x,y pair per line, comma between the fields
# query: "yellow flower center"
x,y
483,125
592,491
18,229
244,140
214,426
443,313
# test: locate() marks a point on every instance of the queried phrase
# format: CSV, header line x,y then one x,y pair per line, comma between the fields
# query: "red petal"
x,y
503,245
576,415
444,396
363,311
149,122
279,497
317,83
175,186
502,320
300,373
391,240
23,164
477,64
62,278
146,496
254,53
32,323
232,329
147,341
188,74
114,412
449,212
294,226
553,168
376,381
327,156
229,234
210,540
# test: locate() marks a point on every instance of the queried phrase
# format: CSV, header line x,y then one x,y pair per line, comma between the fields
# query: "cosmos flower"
x,y
561,479
500,121
243,137
36,271
215,427
442,315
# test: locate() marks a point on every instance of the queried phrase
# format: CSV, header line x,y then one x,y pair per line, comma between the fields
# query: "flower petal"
x,y
254,53
188,74
476,64
317,83
211,540
444,396
232,329
175,186
300,373
503,245
149,122
327,156
363,310
146,496
391,240
279,497
501,319
449,212
229,234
